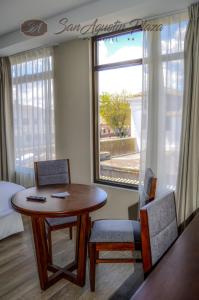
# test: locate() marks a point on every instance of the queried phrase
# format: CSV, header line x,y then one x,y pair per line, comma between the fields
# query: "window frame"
x,y
95,69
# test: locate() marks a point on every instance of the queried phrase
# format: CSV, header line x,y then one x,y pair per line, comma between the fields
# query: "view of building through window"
x,y
119,82
118,76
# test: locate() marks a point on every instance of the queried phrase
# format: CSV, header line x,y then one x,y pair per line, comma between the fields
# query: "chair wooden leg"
x,y
89,231
49,245
89,226
96,255
71,233
92,255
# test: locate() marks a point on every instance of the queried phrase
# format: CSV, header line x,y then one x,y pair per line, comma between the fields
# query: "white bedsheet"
x,y
10,224
7,190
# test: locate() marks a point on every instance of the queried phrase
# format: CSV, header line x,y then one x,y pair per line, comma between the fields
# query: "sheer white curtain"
x,y
33,108
163,77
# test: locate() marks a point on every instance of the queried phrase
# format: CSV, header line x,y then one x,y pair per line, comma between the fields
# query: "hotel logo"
x,y
34,27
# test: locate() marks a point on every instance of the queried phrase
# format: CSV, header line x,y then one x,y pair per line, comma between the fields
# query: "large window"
x,y
117,78
33,108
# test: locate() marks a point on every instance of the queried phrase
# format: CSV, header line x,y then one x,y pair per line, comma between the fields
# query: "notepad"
x,y
60,195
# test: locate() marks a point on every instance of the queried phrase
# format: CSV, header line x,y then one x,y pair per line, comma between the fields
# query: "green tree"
x,y
115,111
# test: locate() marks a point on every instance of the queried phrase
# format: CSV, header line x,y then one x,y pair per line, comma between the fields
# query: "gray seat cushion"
x,y
113,231
61,221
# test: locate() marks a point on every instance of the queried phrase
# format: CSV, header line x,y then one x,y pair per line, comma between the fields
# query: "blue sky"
x,y
121,48
127,40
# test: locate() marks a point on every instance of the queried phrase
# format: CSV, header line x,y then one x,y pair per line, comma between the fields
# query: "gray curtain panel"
x,y
188,176
6,122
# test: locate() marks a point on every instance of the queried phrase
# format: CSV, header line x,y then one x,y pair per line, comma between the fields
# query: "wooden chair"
x,y
158,229
148,190
118,235
49,173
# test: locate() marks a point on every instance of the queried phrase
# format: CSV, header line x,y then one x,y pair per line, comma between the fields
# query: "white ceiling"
x,y
13,13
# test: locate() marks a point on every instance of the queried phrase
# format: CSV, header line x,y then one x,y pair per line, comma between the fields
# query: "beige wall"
x,y
74,123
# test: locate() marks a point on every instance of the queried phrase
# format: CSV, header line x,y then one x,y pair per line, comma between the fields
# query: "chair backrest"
x,y
148,191
158,229
52,172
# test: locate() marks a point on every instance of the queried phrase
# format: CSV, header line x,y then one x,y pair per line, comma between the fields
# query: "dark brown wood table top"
x,y
176,277
82,199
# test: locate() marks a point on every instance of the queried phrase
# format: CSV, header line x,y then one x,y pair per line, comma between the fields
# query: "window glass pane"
x,y
120,123
33,112
173,74
32,67
172,37
120,48
30,115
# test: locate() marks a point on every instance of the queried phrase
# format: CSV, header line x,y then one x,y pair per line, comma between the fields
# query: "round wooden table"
x,y
82,200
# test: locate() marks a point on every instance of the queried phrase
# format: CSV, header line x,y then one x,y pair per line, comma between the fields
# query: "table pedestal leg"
x,y
81,248
41,249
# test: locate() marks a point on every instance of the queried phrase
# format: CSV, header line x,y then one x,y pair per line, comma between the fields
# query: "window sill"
x,y
116,185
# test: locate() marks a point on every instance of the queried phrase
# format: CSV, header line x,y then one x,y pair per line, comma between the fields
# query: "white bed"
x,y
10,220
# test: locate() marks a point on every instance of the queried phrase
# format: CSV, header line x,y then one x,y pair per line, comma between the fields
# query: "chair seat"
x,y
115,231
61,221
